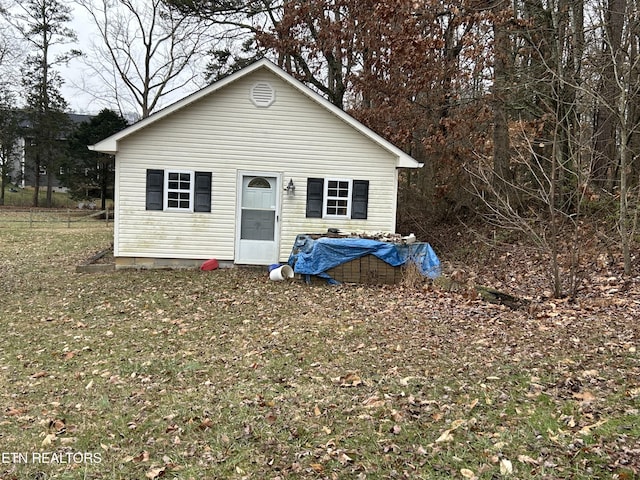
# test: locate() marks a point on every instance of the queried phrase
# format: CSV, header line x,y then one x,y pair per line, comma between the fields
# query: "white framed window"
x,y
179,190
337,197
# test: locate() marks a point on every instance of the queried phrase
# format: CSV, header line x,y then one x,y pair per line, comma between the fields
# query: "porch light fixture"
x,y
290,188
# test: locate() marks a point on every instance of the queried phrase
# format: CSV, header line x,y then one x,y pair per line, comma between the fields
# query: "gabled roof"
x,y
75,118
110,144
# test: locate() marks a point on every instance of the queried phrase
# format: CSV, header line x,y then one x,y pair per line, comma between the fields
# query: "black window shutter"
x,y
202,192
360,199
315,192
155,189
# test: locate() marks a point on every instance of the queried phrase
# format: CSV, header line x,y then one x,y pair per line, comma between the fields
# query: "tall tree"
x,y
235,25
605,153
146,53
617,96
10,49
42,23
311,39
315,41
9,136
500,90
419,61
87,172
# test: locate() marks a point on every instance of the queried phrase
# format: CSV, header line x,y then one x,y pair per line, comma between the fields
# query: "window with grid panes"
x,y
338,197
179,190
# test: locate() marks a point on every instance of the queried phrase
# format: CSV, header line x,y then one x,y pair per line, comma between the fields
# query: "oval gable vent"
x,y
263,94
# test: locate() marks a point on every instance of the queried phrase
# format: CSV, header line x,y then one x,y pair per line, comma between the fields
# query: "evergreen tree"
x,y
9,136
87,173
42,24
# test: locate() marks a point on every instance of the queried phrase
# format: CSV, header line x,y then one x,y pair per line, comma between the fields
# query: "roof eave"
x,y
110,145
106,146
405,161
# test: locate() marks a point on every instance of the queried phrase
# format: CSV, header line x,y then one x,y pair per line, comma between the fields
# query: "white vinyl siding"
x,y
225,133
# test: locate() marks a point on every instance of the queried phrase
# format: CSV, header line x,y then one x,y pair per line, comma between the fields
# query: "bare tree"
x,y
535,184
12,50
145,54
9,53
615,94
311,39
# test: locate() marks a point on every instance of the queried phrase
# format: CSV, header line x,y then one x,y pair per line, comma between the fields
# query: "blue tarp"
x,y
315,257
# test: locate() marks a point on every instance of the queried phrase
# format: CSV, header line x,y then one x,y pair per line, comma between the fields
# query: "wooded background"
x,y
526,111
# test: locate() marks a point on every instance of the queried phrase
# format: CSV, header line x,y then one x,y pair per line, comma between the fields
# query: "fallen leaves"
x,y
49,439
12,411
506,467
68,355
155,472
445,436
141,457
251,378
584,396
586,430
466,473
206,424
374,402
351,379
527,460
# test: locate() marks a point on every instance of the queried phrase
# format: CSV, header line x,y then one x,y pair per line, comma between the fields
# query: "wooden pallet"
x,y
368,270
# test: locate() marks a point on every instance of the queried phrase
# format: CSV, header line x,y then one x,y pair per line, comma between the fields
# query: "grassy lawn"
x,y
23,197
188,374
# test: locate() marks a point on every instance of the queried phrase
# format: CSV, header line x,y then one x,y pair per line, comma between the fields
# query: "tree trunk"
x,y
3,180
624,220
36,182
603,165
501,142
49,188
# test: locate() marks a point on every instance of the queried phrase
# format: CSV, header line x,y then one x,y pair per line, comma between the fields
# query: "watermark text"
x,y
50,457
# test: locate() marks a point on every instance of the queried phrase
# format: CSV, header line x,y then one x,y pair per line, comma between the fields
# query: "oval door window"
x,y
259,182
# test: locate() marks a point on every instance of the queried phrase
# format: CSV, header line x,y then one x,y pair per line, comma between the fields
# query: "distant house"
x,y
238,169
21,173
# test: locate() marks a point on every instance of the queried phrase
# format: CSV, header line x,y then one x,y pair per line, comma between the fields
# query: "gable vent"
x,y
262,94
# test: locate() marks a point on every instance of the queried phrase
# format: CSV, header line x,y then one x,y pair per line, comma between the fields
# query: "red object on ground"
x,y
209,265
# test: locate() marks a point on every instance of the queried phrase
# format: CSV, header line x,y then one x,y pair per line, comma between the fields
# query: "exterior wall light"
x,y
290,188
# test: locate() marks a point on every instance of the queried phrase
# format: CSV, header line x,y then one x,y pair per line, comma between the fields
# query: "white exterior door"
x,y
257,230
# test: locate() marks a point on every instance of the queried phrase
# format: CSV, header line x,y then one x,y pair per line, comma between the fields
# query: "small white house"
x,y
238,169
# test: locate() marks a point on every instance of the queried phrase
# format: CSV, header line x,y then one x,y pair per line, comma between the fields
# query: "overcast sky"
x,y
79,102
76,74
79,80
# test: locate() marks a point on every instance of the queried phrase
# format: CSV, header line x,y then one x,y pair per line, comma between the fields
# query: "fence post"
x,y
106,213
30,217
68,218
